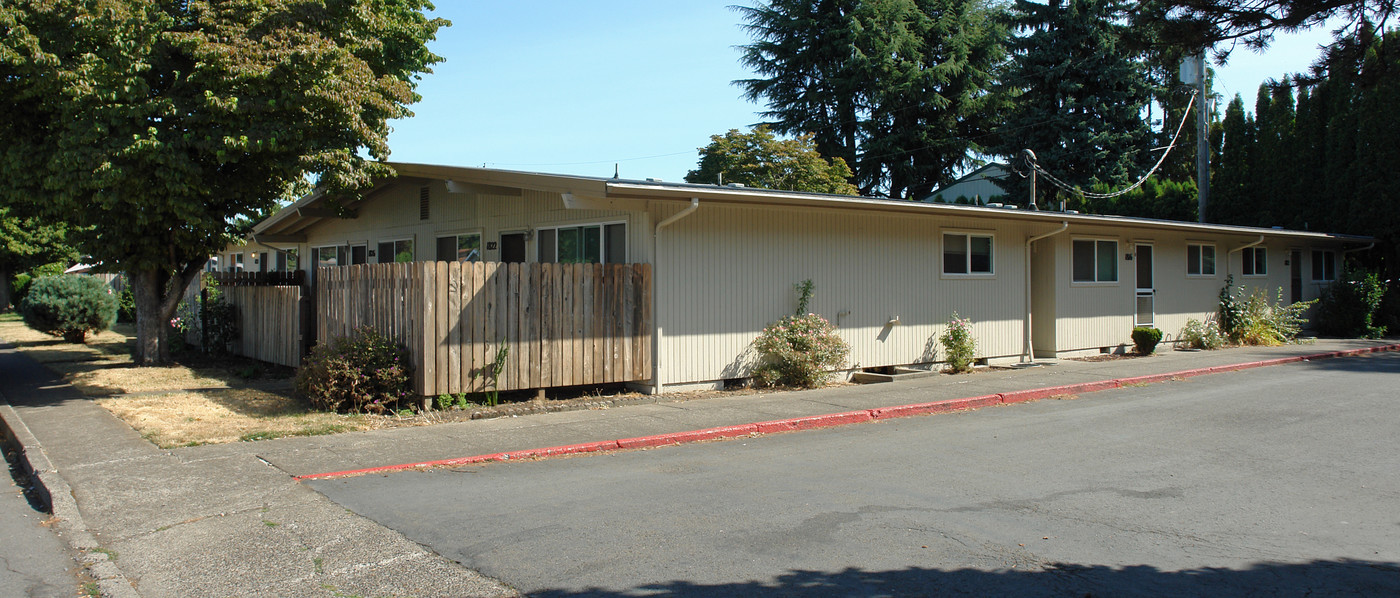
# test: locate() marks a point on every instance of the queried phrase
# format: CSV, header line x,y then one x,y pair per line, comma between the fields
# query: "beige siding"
x,y
726,272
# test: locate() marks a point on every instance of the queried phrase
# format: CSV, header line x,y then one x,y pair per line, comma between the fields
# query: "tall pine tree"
x,y
1081,96
896,88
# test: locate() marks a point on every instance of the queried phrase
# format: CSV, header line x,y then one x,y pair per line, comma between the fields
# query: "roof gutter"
x,y
1356,249
656,384
1028,358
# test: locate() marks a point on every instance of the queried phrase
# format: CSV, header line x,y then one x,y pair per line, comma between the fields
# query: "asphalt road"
x,y
1278,481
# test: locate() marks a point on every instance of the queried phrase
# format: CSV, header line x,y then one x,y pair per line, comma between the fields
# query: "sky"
x,y
572,87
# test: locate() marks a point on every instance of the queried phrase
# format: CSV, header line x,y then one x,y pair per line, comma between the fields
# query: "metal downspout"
x,y
656,293
1029,356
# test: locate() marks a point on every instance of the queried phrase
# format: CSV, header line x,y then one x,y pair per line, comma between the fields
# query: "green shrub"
x,y
126,306
362,372
20,287
69,306
1200,335
1145,339
1349,306
799,350
958,345
1257,320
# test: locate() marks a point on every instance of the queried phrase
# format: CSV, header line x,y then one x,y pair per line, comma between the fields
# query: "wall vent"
x,y
423,203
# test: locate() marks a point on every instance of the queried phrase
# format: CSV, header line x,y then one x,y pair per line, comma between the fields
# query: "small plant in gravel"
x,y
362,372
69,306
959,348
801,349
1145,339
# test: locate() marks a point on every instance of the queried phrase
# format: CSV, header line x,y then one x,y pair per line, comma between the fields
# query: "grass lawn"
x,y
199,400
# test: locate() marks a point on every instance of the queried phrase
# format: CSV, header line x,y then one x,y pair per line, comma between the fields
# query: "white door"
x,y
1146,292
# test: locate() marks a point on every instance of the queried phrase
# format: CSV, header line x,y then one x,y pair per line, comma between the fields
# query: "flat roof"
x,y
306,211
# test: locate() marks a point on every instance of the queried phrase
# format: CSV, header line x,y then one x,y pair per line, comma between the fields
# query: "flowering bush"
x,y
1200,335
799,350
958,346
362,372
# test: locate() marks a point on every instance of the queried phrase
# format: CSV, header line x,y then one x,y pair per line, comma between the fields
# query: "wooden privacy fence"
x,y
562,324
270,318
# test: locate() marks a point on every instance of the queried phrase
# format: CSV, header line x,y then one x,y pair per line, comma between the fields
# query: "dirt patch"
x,y
1110,357
224,415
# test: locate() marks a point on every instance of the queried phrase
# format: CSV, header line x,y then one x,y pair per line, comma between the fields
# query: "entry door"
x,y
1146,292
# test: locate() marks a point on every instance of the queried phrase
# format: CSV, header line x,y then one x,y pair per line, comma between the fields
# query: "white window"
x,y
465,247
1324,265
966,253
395,252
1095,260
1200,260
1256,261
587,244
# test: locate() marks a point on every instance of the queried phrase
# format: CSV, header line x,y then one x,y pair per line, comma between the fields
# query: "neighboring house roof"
x,y
980,183
288,224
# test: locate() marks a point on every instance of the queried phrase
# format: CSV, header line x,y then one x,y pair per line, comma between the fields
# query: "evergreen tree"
x,y
1081,96
896,88
1232,181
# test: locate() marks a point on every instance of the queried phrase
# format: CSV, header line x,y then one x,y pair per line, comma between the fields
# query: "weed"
x,y
111,554
270,523
319,564
91,589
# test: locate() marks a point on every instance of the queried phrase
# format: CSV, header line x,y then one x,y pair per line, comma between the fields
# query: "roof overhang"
x,y
289,224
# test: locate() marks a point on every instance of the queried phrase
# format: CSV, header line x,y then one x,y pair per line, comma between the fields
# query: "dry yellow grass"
x,y
229,408
217,416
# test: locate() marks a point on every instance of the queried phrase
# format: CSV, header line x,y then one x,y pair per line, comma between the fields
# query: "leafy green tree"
x,y
1080,97
760,159
1232,186
896,88
150,126
26,242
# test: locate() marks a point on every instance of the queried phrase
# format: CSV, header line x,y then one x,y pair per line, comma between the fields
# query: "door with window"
x,y
1146,291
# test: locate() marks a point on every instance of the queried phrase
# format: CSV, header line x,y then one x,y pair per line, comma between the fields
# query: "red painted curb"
x,y
691,436
814,421
850,417
1035,394
947,406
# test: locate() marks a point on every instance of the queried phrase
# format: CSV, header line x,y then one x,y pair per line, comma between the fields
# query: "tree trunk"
x,y
5,282
157,295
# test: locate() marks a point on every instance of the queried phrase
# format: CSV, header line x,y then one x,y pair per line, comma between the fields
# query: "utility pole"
x,y
1198,80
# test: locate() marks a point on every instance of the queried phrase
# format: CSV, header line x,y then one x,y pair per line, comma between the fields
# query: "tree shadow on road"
x,y
1316,578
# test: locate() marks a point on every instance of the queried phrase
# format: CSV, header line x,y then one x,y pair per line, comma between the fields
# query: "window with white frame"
x,y
465,247
1256,261
1095,260
1324,265
236,264
967,253
1200,259
395,252
586,244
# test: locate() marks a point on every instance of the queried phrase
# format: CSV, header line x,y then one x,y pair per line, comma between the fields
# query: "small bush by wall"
x,y
1145,339
959,348
1200,335
69,306
1257,320
799,351
363,372
1350,305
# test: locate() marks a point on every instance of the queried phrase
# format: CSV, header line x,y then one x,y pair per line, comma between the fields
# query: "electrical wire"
x,y
1086,194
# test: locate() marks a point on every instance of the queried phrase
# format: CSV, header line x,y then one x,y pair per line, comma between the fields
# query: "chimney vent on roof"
x,y
737,185
652,180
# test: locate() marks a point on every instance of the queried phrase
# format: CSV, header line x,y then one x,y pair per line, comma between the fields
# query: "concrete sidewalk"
x,y
224,520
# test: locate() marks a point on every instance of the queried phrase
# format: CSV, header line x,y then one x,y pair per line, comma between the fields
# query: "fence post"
x,y
204,320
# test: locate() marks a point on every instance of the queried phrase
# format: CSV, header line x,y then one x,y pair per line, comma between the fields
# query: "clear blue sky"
x,y
573,87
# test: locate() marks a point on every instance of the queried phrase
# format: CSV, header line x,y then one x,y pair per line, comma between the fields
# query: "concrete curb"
x,y
812,422
58,495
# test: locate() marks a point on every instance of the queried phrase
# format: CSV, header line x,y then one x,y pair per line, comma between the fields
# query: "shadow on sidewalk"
x,y
1340,577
